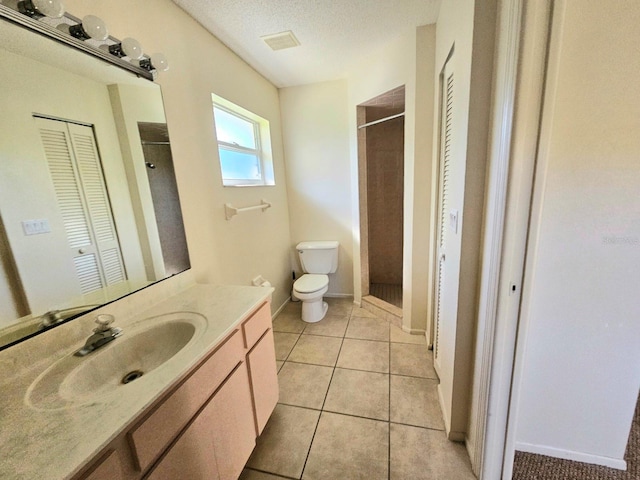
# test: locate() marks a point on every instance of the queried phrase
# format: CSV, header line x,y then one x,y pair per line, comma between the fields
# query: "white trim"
x,y
486,446
547,87
451,435
616,463
262,150
339,295
415,331
498,454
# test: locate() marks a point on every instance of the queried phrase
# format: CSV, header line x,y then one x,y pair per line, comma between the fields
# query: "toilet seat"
x,y
310,283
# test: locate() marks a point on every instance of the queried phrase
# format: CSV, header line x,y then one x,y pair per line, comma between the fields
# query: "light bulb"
x,y
159,62
94,27
91,27
129,47
132,48
48,8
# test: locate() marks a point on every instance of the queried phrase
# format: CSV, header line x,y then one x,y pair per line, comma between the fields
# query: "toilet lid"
x,y
309,283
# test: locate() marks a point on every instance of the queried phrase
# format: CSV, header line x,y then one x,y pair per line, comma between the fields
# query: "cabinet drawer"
x,y
152,436
254,327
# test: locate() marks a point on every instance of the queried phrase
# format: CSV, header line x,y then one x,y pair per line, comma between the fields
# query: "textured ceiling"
x,y
334,34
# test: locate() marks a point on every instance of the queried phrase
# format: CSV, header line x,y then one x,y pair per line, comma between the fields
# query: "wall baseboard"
x,y
339,295
616,463
452,435
281,307
414,331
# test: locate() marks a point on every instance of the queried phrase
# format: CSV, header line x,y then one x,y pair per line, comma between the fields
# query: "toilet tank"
x,y
318,257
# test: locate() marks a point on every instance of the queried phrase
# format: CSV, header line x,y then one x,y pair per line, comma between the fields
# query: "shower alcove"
x,y
381,177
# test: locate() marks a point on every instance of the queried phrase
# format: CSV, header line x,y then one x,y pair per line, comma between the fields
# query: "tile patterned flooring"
x,y
358,400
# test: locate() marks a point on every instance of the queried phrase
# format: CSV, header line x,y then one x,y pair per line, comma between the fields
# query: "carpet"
x,y
528,466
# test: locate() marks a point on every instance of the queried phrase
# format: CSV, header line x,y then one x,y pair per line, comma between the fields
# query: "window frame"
x,y
262,150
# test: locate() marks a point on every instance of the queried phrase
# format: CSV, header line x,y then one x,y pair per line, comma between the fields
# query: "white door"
x,y
446,275
76,172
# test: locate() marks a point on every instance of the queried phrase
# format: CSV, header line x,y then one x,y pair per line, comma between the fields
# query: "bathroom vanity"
x,y
194,414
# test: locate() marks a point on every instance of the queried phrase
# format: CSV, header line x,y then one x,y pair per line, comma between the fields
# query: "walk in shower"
x,y
381,176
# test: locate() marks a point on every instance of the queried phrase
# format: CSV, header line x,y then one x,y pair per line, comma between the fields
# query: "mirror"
x,y
89,208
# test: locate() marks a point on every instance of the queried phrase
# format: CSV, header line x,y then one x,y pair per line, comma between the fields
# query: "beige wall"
x,y
579,332
407,61
231,252
318,172
420,173
132,104
466,28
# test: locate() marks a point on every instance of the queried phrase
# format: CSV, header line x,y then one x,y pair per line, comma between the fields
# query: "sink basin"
x,y
143,348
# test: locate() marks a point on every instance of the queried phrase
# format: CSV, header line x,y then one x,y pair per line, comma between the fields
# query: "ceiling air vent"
x,y
280,41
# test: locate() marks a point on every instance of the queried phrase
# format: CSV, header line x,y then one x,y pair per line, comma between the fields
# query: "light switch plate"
x,y
36,227
453,220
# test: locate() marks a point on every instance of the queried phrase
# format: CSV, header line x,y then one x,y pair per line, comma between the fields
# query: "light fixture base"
x,y
77,31
26,7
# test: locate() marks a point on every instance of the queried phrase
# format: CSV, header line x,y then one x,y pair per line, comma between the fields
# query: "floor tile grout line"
x,y
359,369
351,415
334,367
271,473
418,426
294,346
302,332
363,417
323,402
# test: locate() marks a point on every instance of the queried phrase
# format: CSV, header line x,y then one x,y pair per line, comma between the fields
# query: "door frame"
x,y
521,54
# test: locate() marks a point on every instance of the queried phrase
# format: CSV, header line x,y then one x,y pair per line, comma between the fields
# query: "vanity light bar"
x,y
49,27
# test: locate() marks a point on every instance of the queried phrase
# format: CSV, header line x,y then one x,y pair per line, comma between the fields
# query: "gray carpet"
x,y
528,466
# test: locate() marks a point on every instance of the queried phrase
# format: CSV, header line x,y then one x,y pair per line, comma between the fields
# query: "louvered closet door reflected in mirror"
x,y
83,203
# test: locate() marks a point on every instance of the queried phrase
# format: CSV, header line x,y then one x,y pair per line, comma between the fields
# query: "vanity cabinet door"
x,y
191,457
108,468
232,426
217,444
156,432
264,379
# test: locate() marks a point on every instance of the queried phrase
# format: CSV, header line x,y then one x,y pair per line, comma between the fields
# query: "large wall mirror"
x,y
89,209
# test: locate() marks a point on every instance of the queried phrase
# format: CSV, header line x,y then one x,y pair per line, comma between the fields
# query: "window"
x,y
244,145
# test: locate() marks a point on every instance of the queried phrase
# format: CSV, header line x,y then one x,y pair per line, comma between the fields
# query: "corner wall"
x,y
221,251
407,61
314,120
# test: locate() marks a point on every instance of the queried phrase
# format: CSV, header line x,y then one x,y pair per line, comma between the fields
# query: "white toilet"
x,y
317,260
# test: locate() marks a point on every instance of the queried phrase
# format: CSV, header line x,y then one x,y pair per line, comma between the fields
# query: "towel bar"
x,y
231,211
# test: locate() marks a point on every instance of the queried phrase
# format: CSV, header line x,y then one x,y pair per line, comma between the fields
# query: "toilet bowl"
x,y
309,289
317,258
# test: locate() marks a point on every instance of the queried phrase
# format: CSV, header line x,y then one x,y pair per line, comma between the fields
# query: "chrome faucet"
x,y
50,318
102,335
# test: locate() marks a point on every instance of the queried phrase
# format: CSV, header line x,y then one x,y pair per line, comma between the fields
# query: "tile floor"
x,y
357,401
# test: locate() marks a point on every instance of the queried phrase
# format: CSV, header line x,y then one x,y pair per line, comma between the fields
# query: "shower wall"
x,y
385,177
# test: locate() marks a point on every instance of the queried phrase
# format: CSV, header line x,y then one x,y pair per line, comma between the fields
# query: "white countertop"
x,y
55,444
